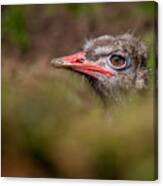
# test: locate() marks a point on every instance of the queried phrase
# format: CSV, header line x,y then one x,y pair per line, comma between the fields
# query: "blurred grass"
x,y
148,7
83,9
77,139
53,124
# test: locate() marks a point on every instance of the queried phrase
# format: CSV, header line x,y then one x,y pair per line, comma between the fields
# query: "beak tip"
x,y
52,62
57,62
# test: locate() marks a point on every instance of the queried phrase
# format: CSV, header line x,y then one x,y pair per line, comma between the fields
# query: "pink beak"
x,y
79,63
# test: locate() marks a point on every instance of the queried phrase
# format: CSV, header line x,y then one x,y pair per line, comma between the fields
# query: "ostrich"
x,y
114,66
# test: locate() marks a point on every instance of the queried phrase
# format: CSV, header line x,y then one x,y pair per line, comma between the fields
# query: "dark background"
x,y
53,125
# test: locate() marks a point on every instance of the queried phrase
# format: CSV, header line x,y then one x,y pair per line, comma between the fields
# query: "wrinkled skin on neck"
x,y
116,88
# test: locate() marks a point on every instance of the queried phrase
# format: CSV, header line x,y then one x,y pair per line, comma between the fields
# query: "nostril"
x,y
82,60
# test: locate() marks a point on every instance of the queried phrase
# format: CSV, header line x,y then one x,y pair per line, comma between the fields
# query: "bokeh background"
x,y
53,124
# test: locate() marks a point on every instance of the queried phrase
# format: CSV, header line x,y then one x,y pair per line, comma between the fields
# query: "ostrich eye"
x,y
117,62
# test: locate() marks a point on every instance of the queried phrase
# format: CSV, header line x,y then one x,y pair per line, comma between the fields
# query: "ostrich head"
x,y
114,66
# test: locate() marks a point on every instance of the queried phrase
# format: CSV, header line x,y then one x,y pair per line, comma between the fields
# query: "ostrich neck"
x,y
114,91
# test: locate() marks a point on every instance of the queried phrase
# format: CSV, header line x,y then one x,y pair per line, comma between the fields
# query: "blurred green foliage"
x,y
14,27
74,137
151,42
83,9
148,7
